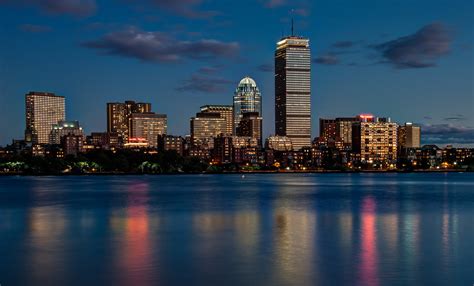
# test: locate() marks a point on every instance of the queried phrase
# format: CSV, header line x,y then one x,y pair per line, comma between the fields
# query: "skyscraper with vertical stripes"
x,y
293,90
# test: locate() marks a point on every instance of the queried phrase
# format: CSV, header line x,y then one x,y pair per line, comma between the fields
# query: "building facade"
x,y
226,112
43,110
409,136
293,90
247,98
206,126
171,143
250,126
148,126
118,116
376,141
279,143
63,128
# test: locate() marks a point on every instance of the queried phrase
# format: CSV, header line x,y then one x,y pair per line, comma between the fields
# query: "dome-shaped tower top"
x,y
248,81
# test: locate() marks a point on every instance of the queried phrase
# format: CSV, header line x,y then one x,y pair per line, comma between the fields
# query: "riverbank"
x,y
243,172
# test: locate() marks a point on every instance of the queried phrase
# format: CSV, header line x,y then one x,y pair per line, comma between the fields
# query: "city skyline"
x,y
434,90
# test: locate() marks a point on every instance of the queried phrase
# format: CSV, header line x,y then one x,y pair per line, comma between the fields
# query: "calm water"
x,y
287,229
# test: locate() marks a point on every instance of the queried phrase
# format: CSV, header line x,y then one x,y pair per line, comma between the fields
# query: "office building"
x,y
344,129
250,126
222,151
375,139
247,98
63,128
171,143
206,126
105,140
226,112
148,126
118,116
409,136
43,109
72,144
293,90
279,143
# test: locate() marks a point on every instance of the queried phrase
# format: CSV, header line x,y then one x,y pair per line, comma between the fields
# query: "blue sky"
x,y
408,60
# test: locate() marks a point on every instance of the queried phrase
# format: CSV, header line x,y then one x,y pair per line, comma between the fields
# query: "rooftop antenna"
x,y
292,27
292,12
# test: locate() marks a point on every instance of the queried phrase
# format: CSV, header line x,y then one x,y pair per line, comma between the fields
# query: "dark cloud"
x,y
203,84
71,7
327,59
343,44
266,68
210,69
186,8
30,28
419,50
457,117
447,134
160,47
275,3
299,7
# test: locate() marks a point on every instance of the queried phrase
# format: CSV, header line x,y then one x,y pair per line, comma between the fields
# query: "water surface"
x,y
261,229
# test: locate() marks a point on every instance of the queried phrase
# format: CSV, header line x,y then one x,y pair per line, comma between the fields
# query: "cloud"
x,y
419,50
327,59
343,44
275,3
210,69
30,28
299,7
80,8
447,134
266,68
185,8
160,47
202,84
457,117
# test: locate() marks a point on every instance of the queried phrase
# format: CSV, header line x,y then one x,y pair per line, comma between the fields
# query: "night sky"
x,y
408,60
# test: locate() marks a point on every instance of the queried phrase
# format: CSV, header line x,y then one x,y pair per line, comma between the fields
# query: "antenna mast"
x,y
292,27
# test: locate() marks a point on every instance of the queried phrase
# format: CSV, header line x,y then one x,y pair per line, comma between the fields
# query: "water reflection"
x,y
264,230
369,256
134,245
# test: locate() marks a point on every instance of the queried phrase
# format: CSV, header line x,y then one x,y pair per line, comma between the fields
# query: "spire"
x,y
292,27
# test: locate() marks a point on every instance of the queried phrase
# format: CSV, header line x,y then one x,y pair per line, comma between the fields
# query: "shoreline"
x,y
240,172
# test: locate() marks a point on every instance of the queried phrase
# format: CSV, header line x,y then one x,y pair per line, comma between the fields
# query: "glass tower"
x,y
247,98
293,90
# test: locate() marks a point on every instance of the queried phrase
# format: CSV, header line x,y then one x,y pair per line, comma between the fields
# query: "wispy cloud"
x,y
204,84
265,68
419,50
343,44
30,28
327,59
185,8
80,8
457,117
160,47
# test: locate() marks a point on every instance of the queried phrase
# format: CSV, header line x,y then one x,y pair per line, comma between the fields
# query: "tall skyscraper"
x,y
226,112
247,98
43,109
148,126
118,116
293,90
